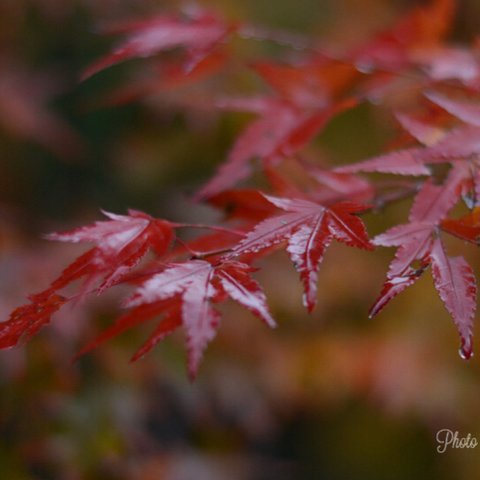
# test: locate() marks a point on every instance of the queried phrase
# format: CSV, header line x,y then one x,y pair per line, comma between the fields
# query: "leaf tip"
x,y
375,309
466,348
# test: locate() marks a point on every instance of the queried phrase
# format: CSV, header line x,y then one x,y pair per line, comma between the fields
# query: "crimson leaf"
x,y
198,283
199,34
309,228
121,242
455,283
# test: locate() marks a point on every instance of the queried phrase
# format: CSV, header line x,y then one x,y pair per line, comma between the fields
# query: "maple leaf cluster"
x,y
438,151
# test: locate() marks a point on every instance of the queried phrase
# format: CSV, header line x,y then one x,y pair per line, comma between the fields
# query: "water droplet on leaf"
x,y
365,67
465,354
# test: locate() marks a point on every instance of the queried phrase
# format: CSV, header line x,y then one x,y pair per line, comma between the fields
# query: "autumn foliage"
x,y
177,283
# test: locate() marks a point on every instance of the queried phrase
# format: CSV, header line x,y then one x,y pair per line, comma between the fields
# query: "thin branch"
x,y
210,227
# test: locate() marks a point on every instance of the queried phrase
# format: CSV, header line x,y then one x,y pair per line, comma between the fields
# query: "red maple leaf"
x,y
460,143
455,282
166,77
418,241
121,242
198,33
448,63
25,321
281,130
308,228
198,283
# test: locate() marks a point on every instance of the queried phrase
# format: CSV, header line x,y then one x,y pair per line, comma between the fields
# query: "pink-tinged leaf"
x,y
393,287
270,232
443,63
299,205
121,243
190,281
309,228
194,286
131,256
199,319
414,245
414,239
431,205
167,77
402,162
306,247
455,282
466,111
172,281
199,35
433,202
277,229
25,321
425,133
401,234
416,248
236,281
108,235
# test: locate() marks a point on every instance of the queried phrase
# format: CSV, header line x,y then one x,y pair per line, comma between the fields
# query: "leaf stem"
x,y
210,227
196,255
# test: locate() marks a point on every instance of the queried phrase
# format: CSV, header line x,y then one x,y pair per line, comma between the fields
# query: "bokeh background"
x,y
330,395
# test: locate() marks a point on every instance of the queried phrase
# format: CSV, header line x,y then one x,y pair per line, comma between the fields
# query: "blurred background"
x,y
330,395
